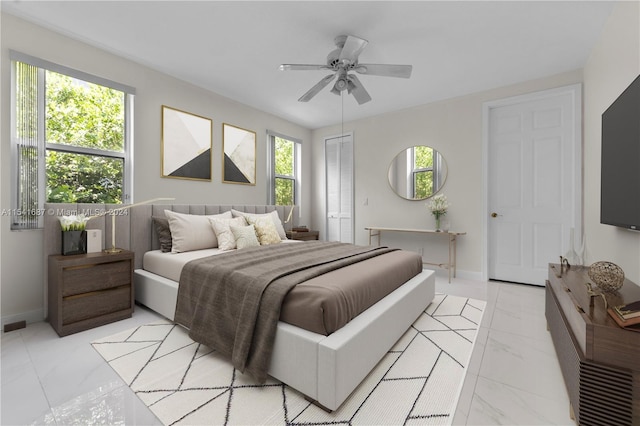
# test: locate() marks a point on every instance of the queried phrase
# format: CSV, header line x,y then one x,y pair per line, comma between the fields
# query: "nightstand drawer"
x,y
93,277
90,305
303,235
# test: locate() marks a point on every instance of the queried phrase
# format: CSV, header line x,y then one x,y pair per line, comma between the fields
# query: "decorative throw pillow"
x,y
222,228
265,229
274,216
245,236
192,231
163,232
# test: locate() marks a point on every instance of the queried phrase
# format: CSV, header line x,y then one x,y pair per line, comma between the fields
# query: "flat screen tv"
x,y
620,187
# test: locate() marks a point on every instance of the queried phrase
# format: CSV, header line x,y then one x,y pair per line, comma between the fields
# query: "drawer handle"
x,y
73,268
95,292
579,309
567,289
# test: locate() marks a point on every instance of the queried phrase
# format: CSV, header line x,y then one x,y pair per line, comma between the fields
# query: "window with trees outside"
x,y
285,175
71,138
424,171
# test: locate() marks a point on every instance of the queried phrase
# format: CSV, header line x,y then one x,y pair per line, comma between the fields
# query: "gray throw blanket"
x,y
231,302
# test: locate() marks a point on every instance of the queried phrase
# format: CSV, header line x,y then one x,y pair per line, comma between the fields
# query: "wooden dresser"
x,y
88,290
600,361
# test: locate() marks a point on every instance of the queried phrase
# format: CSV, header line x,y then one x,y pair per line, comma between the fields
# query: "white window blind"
x,y
28,127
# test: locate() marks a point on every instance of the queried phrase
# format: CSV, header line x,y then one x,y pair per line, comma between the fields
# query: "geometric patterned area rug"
x,y
417,382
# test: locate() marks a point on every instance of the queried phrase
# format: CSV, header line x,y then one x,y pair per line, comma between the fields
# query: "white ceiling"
x,y
234,48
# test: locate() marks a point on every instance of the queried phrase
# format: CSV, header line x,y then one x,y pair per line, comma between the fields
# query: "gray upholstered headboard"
x,y
143,237
134,228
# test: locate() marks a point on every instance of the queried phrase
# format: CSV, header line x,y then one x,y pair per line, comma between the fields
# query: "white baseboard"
x,y
465,275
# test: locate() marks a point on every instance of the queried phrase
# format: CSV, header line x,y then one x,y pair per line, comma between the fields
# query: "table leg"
x,y
452,256
449,265
372,233
455,256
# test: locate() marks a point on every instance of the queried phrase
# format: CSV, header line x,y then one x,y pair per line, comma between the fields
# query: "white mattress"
x,y
169,265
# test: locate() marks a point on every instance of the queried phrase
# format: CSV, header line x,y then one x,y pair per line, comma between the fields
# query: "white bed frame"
x,y
324,368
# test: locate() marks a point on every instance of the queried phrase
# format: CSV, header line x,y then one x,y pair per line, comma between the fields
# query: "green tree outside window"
x,y
422,172
84,115
284,171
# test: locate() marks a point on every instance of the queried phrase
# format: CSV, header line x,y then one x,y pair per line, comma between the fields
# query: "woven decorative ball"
x,y
608,276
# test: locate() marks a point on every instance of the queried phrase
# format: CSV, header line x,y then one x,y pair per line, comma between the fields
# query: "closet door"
x,y
339,188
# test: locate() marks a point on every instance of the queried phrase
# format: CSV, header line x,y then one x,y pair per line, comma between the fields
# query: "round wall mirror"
x,y
417,173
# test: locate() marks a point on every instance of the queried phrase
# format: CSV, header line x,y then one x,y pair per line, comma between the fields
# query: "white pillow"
x,y
245,236
226,240
192,231
274,216
265,230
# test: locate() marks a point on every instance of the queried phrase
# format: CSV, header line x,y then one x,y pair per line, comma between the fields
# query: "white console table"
x,y
452,236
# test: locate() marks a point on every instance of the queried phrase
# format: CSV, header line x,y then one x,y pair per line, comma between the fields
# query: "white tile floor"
x,y
514,377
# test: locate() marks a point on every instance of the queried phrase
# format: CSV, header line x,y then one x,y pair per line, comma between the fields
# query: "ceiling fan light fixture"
x,y
344,59
341,84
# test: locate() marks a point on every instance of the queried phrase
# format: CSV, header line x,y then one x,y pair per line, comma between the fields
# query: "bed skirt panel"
x,y
155,292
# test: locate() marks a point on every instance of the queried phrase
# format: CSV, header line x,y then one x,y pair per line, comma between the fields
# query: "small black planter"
x,y
74,242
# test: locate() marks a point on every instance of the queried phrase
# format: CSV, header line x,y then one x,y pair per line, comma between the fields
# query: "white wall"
x,y
22,266
613,64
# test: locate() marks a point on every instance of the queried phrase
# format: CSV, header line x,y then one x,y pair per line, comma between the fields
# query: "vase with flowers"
x,y
438,206
74,234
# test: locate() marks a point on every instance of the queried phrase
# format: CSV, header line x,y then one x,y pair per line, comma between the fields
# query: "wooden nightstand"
x,y
88,290
304,236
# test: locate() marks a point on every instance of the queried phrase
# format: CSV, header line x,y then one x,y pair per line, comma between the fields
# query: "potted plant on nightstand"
x,y
74,234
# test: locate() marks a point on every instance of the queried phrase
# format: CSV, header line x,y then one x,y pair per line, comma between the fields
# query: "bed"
x,y
325,368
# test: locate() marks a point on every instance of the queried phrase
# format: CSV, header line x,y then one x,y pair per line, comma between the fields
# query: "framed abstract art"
x,y
239,148
186,145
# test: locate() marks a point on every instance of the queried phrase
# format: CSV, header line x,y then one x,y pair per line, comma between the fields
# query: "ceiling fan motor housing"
x,y
333,59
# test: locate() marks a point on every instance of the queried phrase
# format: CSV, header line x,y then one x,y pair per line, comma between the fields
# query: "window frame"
x,y
43,146
271,167
434,169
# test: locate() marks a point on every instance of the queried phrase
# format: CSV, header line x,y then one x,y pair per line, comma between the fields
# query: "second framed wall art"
x,y
239,148
186,145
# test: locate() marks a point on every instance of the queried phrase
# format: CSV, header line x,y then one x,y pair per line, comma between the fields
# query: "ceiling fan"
x,y
341,61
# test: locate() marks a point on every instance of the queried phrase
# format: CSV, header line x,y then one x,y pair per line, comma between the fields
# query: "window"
x,y
71,139
424,171
284,167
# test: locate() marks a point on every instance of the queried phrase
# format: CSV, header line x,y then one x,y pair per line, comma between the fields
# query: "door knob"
x,y
494,214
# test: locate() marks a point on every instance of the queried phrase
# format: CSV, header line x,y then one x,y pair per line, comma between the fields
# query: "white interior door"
x,y
339,188
534,182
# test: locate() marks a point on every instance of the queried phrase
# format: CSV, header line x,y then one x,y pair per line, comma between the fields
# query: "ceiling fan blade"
x,y
353,46
315,89
401,71
357,90
302,67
